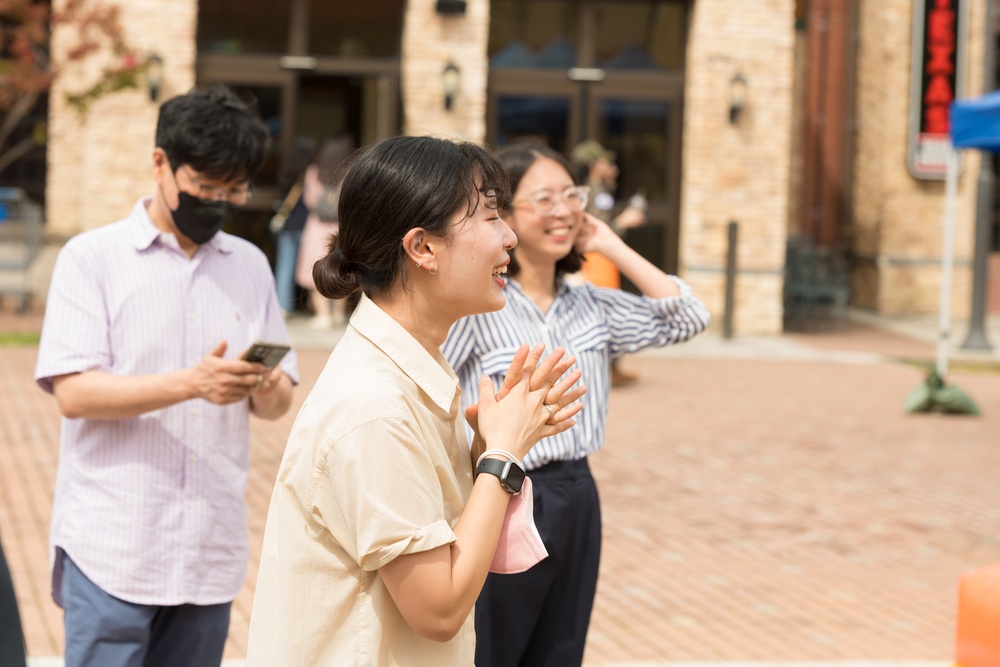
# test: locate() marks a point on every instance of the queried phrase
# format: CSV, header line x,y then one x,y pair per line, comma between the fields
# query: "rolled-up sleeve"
x,y
381,494
636,322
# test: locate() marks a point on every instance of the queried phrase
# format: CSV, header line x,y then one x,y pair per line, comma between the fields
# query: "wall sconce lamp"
x,y
450,78
154,75
737,97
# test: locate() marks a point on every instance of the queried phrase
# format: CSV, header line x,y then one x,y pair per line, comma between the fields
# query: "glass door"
x,y
562,72
539,107
317,70
642,125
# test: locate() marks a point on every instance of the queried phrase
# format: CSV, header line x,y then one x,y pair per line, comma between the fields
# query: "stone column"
x,y
430,42
738,171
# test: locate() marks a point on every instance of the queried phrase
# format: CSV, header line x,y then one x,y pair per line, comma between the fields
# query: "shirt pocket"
x,y
590,344
496,362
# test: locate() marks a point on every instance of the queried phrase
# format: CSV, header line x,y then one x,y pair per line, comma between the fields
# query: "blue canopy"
x,y
975,123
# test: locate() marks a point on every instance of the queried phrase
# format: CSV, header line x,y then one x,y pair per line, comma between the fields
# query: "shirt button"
x,y
194,457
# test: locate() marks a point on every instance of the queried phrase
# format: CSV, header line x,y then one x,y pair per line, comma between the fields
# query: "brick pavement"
x,y
772,506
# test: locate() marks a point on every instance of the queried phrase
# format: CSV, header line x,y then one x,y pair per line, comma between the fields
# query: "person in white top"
x,y
145,320
378,536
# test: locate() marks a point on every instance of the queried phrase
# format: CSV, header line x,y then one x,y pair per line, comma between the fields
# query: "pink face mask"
x,y
520,546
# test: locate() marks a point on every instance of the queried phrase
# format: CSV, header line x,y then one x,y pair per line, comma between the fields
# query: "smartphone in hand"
x,y
269,354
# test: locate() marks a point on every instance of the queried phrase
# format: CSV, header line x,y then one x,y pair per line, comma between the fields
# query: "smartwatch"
x,y
511,475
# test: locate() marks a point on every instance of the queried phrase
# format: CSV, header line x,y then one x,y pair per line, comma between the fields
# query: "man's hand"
x,y
223,381
268,381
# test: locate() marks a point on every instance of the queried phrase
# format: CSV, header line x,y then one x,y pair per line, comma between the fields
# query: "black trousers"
x,y
11,636
540,617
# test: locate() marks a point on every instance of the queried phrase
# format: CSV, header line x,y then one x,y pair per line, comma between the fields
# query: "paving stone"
x,y
772,504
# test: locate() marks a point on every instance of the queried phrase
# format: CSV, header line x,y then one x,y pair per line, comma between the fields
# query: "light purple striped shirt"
x,y
152,508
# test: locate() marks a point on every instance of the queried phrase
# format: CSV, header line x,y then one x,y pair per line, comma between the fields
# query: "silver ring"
x,y
551,408
260,380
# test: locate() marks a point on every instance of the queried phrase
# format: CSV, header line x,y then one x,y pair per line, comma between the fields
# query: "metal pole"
x,y
947,250
977,339
727,317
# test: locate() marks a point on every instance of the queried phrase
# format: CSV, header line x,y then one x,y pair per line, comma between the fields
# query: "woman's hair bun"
x,y
335,276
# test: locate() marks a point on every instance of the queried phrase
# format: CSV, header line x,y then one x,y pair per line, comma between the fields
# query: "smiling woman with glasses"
x,y
545,201
540,617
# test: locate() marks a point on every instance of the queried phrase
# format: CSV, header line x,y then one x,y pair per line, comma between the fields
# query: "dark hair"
x,y
392,187
214,132
517,159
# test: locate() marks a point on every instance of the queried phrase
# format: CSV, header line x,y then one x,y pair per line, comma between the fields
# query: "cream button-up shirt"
x,y
377,465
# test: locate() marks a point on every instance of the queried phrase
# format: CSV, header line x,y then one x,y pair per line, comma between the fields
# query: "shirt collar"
x,y
561,287
145,233
431,373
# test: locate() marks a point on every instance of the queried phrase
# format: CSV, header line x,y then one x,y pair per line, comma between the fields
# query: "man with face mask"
x,y
144,325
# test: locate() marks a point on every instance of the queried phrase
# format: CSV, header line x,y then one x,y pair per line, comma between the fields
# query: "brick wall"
x,y
430,42
993,285
99,164
738,171
897,219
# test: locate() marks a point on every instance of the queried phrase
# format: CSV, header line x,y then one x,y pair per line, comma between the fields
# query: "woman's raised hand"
x,y
534,401
595,235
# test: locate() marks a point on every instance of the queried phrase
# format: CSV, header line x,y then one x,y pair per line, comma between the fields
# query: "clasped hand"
x,y
536,400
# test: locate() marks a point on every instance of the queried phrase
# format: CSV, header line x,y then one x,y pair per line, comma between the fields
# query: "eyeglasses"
x,y
212,193
545,202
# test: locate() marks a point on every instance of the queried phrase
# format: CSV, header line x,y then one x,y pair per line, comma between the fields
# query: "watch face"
x,y
513,480
510,474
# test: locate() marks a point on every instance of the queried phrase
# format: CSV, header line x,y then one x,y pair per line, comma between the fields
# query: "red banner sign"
x,y
938,63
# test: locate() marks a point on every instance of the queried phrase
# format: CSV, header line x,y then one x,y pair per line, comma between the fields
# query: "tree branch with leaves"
x,y
28,70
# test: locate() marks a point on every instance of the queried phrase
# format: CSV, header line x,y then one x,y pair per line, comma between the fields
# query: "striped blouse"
x,y
594,324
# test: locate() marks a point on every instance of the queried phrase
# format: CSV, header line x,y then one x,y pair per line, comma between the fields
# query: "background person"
x,y
540,617
144,321
596,168
322,181
287,226
378,535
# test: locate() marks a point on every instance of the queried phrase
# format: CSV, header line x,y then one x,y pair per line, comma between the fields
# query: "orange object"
x,y
601,271
978,638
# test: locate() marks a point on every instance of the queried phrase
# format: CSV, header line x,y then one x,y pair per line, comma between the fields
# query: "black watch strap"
x,y
511,475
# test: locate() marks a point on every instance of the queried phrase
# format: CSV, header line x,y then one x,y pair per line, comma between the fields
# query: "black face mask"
x,y
200,220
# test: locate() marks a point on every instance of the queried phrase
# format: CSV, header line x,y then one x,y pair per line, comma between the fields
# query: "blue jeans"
x,y
103,631
286,257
